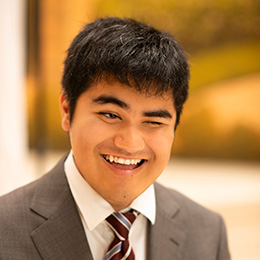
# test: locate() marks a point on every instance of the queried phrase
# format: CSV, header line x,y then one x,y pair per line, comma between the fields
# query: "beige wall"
x,y
13,133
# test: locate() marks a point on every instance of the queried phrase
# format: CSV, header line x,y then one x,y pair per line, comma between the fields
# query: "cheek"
x,y
163,150
162,143
88,135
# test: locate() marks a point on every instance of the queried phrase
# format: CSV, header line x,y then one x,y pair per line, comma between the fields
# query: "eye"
x,y
109,115
154,123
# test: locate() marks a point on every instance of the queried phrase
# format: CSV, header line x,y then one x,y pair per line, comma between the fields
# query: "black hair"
x,y
130,52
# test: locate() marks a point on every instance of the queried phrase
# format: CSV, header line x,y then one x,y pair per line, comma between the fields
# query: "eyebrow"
x,y
104,99
158,113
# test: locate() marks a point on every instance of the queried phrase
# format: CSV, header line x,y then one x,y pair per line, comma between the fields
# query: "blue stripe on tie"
x,y
123,219
113,251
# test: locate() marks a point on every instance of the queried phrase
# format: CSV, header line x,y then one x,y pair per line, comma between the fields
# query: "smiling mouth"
x,y
127,164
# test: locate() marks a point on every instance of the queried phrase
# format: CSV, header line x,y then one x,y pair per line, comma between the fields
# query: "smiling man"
x,y
121,140
124,86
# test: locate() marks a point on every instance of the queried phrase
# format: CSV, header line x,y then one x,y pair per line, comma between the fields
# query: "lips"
x,y
126,164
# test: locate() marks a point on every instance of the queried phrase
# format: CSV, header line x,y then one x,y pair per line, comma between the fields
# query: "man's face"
x,y
121,139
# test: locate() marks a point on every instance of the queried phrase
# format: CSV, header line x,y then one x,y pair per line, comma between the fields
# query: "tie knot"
x,y
121,223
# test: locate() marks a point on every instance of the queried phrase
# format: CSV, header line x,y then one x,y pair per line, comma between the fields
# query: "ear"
x,y
65,112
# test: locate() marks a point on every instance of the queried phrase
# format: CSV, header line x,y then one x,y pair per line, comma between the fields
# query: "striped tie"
x,y
120,247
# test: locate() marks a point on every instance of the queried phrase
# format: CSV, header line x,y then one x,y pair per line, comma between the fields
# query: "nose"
x,y
129,139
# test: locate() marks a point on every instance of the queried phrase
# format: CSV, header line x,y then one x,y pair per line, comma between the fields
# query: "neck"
x,y
119,208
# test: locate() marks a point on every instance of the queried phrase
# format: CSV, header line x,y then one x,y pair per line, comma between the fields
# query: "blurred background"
x,y
216,154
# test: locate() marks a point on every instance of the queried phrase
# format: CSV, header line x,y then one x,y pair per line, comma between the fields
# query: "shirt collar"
x,y
93,207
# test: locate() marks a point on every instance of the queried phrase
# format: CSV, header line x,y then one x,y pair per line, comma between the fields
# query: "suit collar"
x,y
60,234
166,238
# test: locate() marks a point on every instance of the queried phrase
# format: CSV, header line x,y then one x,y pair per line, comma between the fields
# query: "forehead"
x,y
126,92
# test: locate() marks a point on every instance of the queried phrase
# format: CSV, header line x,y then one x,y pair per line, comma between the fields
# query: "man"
x,y
124,85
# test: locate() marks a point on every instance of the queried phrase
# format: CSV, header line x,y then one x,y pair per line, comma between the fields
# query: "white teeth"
x,y
127,162
115,159
111,158
120,160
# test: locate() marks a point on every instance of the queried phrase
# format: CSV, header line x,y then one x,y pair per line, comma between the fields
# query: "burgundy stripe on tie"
x,y
120,248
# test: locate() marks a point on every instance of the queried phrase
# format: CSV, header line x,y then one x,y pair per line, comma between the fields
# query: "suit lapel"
x,y
60,234
166,237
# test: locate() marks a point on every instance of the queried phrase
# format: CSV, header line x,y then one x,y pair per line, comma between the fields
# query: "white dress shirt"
x,y
93,210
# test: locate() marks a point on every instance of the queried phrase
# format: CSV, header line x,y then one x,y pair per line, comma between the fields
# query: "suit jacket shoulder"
x,y
41,221
185,230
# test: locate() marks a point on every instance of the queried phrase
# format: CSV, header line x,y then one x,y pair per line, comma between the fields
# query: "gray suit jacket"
x,y
41,221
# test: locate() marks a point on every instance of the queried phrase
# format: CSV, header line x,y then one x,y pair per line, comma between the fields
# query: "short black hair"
x,y
131,52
